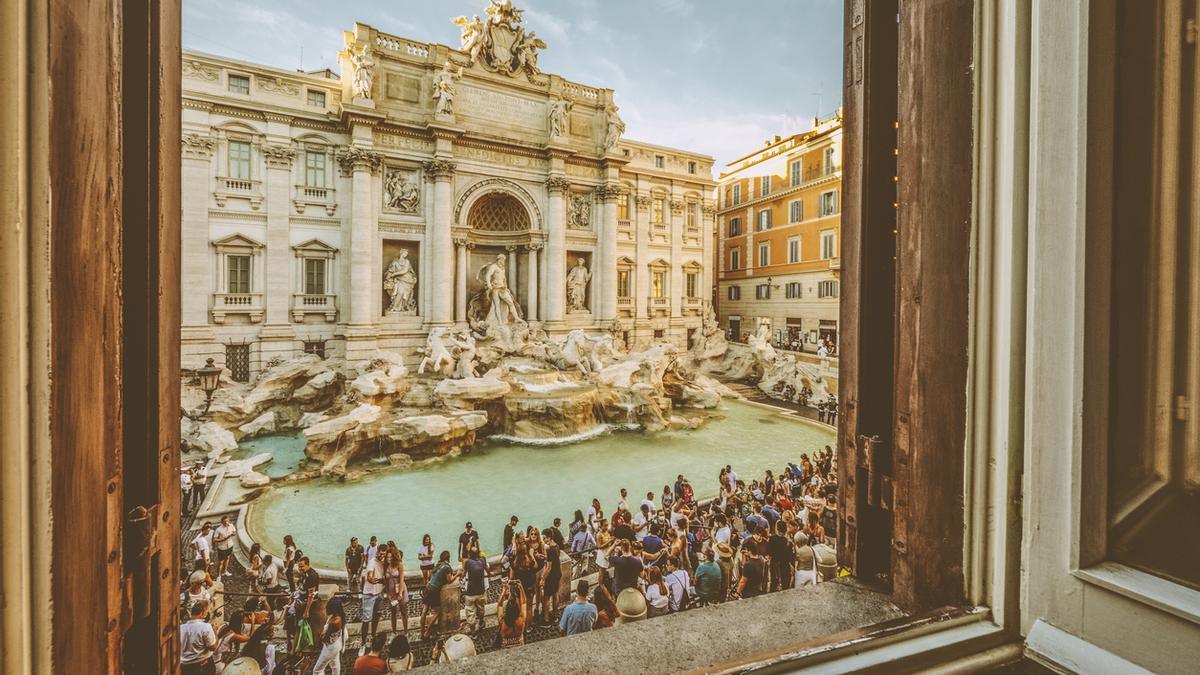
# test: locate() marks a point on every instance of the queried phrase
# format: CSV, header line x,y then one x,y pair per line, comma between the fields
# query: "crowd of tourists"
x,y
665,553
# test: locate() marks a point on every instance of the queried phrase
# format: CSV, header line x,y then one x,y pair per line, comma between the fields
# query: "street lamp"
x,y
210,379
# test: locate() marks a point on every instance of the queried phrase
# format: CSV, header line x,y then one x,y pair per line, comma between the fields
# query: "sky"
x,y
702,75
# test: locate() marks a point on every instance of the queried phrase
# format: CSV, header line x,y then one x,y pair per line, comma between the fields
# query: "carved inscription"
x,y
403,142
494,157
496,107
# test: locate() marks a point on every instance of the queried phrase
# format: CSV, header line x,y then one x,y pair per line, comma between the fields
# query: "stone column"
x,y
607,232
359,164
556,248
276,335
196,266
676,222
705,217
531,309
510,259
441,245
460,281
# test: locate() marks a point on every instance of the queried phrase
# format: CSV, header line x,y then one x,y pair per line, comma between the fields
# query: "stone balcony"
x,y
248,304
693,305
240,188
658,305
307,303
625,306
323,197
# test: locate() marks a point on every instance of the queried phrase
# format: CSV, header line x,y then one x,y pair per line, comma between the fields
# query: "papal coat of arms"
x,y
501,44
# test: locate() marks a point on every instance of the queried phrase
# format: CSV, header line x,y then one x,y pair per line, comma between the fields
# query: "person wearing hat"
x,y
579,616
710,580
466,541
197,590
725,562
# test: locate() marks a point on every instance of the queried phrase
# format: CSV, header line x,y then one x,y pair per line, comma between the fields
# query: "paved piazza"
x,y
346,215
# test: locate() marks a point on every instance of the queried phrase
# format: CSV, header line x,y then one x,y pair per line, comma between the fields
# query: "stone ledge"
x,y
701,637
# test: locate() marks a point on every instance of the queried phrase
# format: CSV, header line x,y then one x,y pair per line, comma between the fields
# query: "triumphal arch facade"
x,y
348,213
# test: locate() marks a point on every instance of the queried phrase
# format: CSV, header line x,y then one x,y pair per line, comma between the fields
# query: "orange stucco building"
x,y
779,237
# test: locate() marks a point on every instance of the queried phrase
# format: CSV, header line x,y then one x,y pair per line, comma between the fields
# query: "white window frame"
x,y
240,77
796,172
737,193
735,258
318,93
762,220
828,244
764,185
229,161
660,161
828,204
793,249
796,211
764,254
309,154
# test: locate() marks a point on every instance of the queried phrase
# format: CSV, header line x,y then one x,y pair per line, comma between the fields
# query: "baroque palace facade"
x,y
343,215
778,238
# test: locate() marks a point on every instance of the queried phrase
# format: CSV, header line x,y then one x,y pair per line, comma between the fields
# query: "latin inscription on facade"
x,y
403,142
493,106
494,157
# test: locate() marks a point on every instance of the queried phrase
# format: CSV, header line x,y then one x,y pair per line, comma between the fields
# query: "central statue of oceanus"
x,y
493,312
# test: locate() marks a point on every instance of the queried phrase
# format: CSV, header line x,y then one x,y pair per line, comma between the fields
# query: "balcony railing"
x,y
225,304
246,188
658,304
317,196
624,301
310,303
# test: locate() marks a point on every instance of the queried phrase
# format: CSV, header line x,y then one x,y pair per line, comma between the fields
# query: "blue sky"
x,y
704,75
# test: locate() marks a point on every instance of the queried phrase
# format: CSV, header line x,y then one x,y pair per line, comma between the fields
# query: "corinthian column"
x,y
556,248
531,309
607,268
278,188
360,164
196,266
460,281
441,244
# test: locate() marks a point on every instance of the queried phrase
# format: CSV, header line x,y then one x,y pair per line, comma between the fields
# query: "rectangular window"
x,y
657,210
239,84
762,292
316,99
828,161
735,227
692,167
735,292
623,207
796,211
315,347
314,169
829,203
792,290
827,289
797,172
623,289
659,333
691,217
764,186
794,250
659,161
764,254
828,245
239,159
237,274
658,284
764,220
314,276
737,193
690,284
735,259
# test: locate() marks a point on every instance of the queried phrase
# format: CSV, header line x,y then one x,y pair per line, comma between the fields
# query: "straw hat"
x,y
724,550
197,577
631,605
242,665
458,647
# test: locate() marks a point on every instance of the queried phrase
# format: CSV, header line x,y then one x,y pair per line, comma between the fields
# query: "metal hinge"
x,y
1190,31
1183,408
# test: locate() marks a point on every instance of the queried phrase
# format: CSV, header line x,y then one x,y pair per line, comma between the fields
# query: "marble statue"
x,y
400,281
364,72
711,341
577,281
581,211
559,109
502,306
760,342
400,191
465,364
501,44
473,35
443,89
616,127
438,358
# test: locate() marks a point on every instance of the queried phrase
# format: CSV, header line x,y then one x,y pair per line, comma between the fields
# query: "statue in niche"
x,y
502,306
581,212
577,281
493,312
616,127
400,191
400,282
443,89
364,72
559,109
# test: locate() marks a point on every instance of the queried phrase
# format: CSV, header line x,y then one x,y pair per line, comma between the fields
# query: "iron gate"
x,y
237,360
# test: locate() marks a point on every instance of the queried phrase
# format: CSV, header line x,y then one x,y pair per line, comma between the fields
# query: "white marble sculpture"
x,y
501,44
577,281
473,35
400,191
400,281
502,306
557,114
443,89
581,211
616,127
438,358
760,342
465,361
364,72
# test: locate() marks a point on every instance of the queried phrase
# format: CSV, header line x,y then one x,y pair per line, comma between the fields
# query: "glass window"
x,y
659,161
797,172
657,210
735,292
314,276
239,84
658,283
691,167
764,254
237,273
762,292
828,245
764,186
735,259
735,227
792,290
828,161
827,289
623,286
623,207
829,203
239,159
314,169
764,220
796,211
794,250
737,193
316,98
691,283
691,217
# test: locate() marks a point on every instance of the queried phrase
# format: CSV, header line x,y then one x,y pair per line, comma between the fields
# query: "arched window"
x,y
498,212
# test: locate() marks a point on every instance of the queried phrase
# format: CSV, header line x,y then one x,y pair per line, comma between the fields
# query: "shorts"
x,y
224,553
432,597
368,605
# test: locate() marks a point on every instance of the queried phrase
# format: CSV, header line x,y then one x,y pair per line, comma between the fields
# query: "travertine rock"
x,y
254,479
263,424
207,437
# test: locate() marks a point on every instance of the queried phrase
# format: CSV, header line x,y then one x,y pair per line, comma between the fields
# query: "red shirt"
x,y
370,664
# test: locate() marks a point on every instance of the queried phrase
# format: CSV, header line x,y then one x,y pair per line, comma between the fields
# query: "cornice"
x,y
758,201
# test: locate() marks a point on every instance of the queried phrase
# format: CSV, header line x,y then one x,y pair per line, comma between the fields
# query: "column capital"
x,y
279,156
676,207
197,146
557,184
440,169
643,202
462,241
354,159
608,192
533,246
708,210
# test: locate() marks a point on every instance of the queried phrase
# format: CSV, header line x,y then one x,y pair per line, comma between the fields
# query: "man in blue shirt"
x,y
626,569
579,616
475,569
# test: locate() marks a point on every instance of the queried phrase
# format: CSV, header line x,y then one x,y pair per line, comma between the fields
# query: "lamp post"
x,y
210,379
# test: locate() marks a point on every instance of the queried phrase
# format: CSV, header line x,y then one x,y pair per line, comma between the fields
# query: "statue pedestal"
x,y
360,102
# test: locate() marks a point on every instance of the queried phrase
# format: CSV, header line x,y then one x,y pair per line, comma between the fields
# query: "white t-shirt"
x,y
197,641
268,576
224,536
650,504
185,480
592,519
203,547
677,583
375,569
656,597
371,551
623,503
721,536
732,479
639,520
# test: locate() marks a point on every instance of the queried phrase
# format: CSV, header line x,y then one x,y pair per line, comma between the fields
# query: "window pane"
x,y
239,84
238,273
314,169
316,99
314,276
239,159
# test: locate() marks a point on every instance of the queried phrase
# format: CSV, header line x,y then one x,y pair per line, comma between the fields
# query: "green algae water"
x,y
536,483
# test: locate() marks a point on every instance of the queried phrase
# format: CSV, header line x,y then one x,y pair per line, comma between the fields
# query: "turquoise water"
x,y
287,450
537,484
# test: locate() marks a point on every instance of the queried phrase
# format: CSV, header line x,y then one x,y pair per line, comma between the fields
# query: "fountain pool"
x,y
498,479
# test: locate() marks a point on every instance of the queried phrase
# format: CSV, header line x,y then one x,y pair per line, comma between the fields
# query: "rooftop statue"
x,y
501,44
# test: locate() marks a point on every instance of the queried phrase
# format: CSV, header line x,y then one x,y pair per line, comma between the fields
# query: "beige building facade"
x,y
347,214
